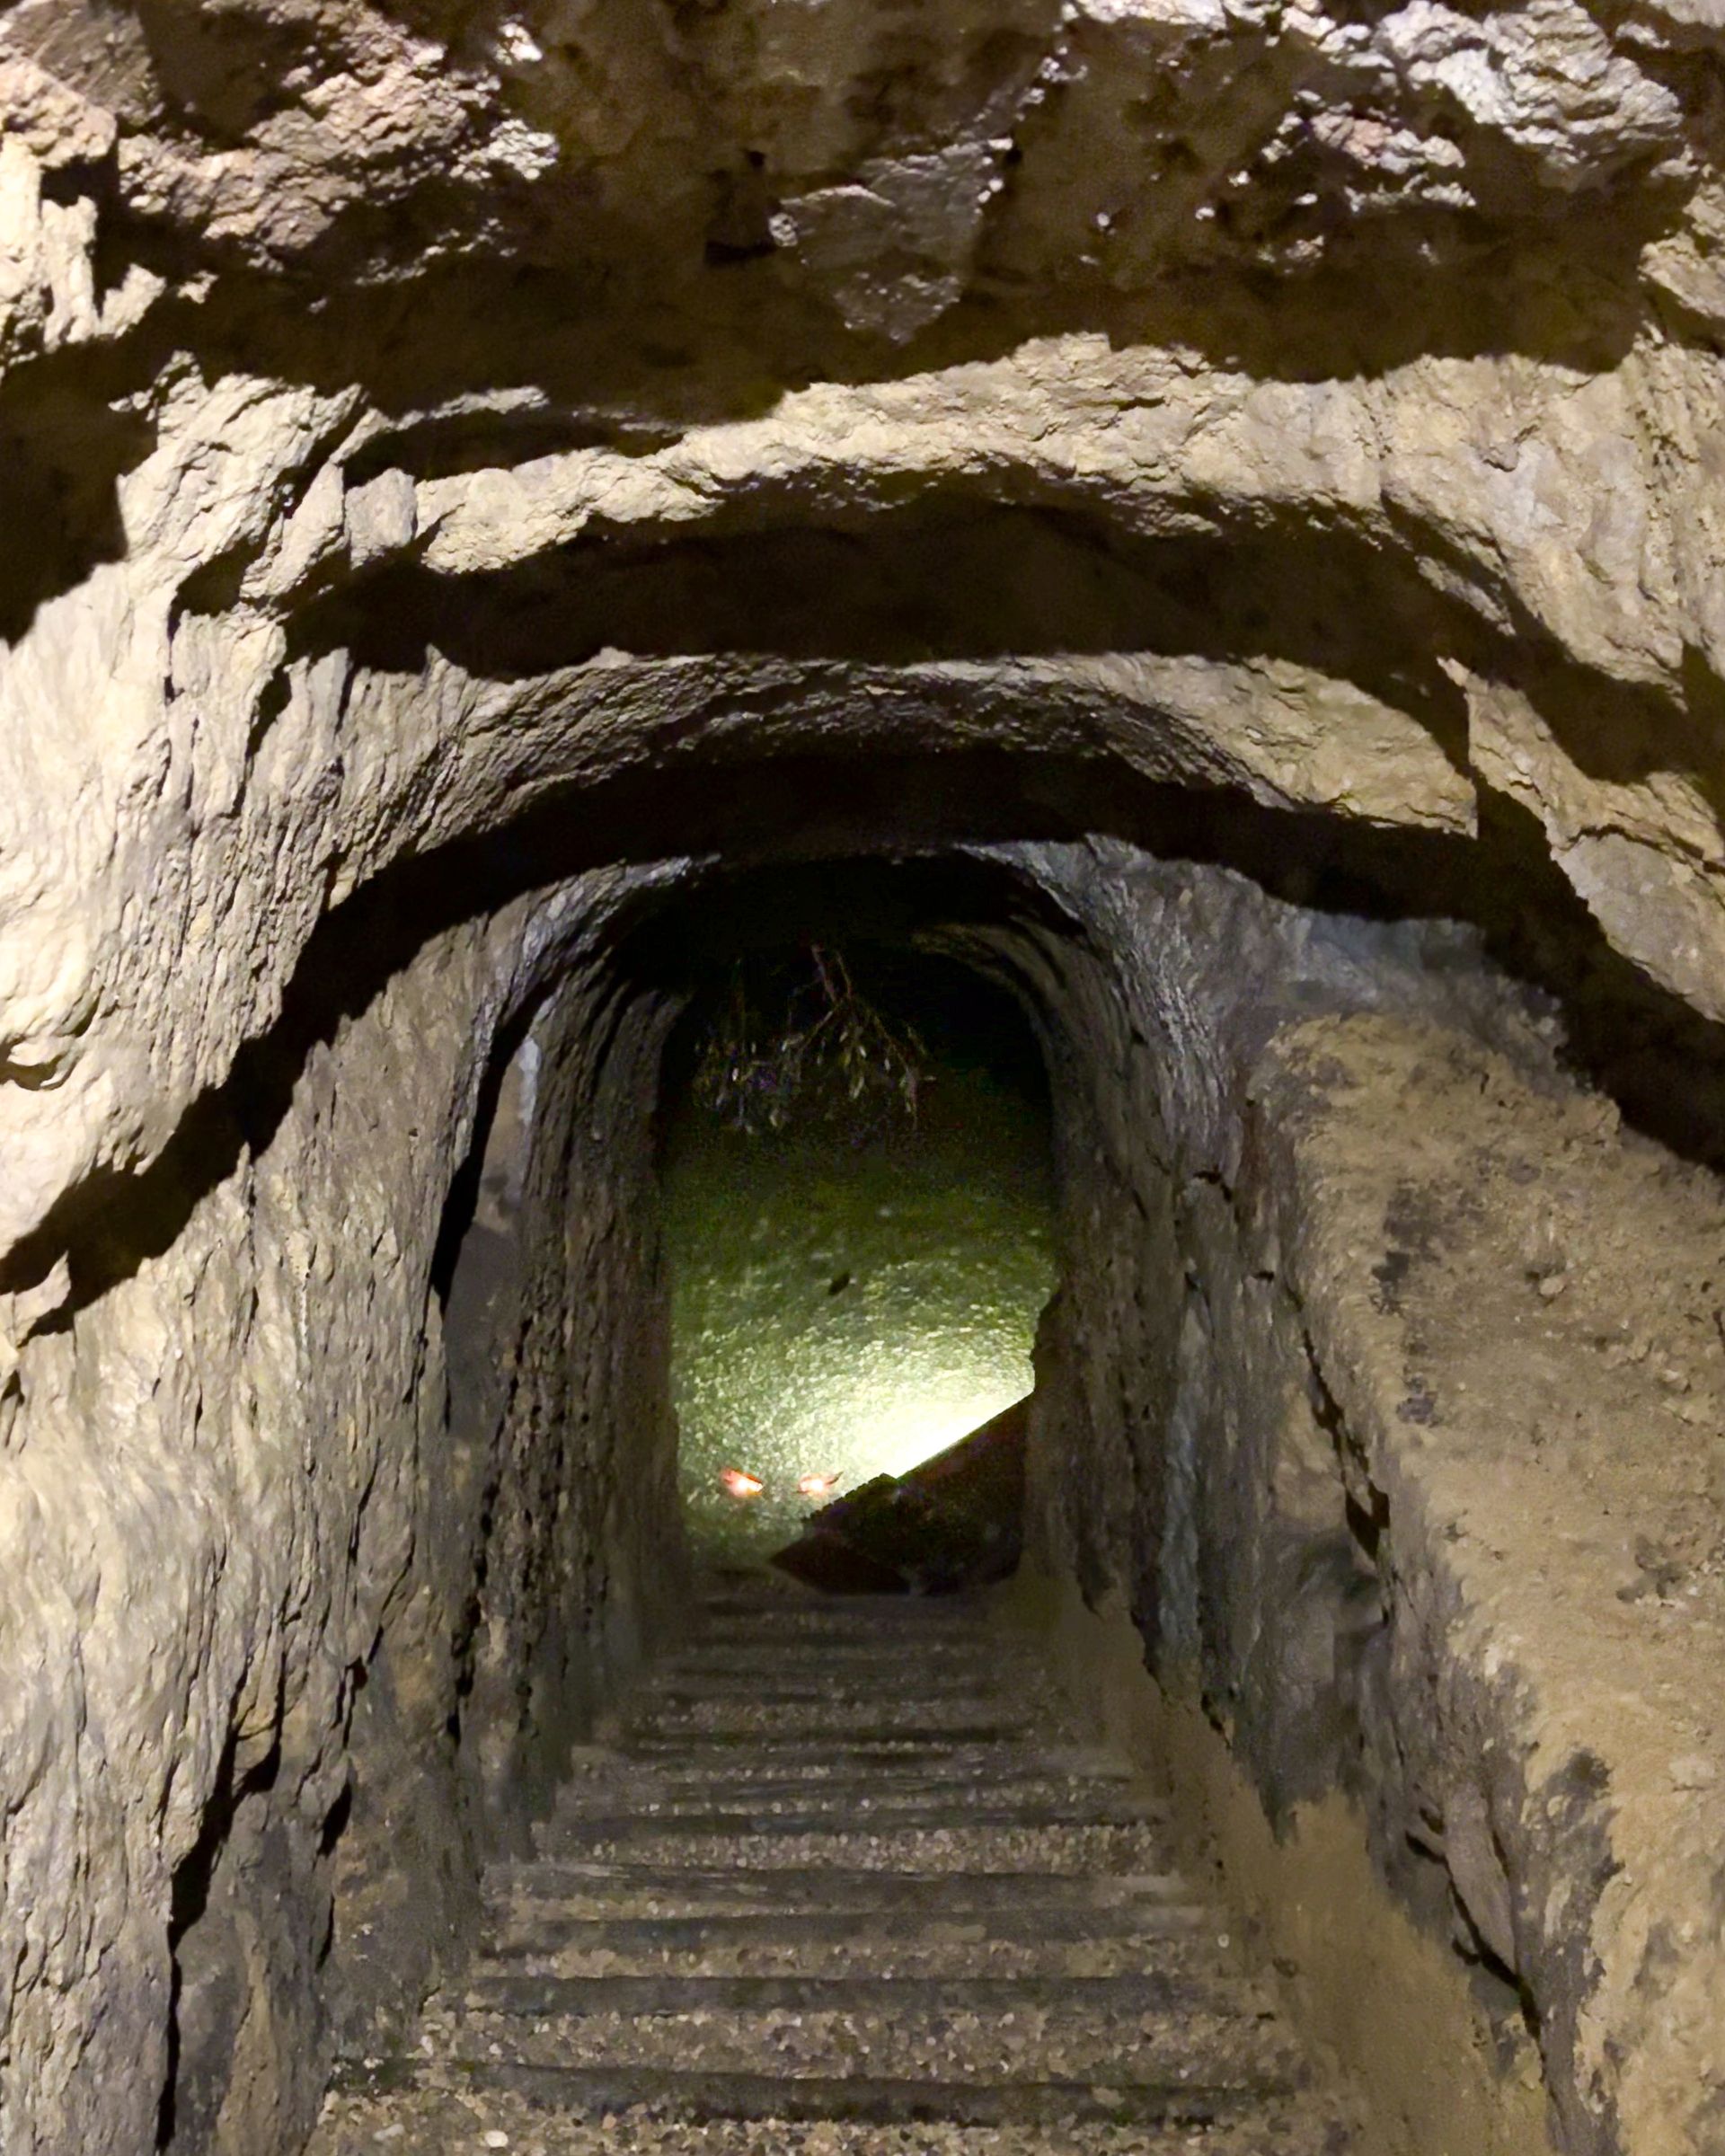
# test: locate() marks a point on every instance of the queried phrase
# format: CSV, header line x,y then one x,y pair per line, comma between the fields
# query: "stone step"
x,y
694,2096
430,2121
845,1814
1021,1943
862,1799
586,1888
871,1612
1224,2047
863,1750
885,1678
970,1842
738,1647
815,1766
885,1910
880,1617
530,1995
980,1649
837,1721
927,1694
910,1626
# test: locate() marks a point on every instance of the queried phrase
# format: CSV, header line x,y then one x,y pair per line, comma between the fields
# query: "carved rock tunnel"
x,y
1202,515
1342,1205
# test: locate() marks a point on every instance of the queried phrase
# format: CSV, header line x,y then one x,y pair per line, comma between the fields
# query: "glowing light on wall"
x,y
849,1315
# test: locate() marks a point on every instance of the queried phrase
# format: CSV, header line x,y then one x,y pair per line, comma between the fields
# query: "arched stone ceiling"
x,y
422,412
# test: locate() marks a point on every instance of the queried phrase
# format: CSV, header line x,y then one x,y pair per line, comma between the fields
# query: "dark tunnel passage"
x,y
862,1078
1166,1112
1259,1165
1257,1162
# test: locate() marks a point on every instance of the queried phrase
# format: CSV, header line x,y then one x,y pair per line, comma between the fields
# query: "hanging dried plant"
x,y
803,1044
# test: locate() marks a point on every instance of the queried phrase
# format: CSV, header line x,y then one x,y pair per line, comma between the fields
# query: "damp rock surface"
x,y
1444,1382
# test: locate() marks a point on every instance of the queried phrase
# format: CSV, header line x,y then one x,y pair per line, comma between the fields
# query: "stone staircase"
x,y
846,1884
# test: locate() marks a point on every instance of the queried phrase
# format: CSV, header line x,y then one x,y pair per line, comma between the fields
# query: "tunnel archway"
x,y
1269,1588
1268,1585
1213,508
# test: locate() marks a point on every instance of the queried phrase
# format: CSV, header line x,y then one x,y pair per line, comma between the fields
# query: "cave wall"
x,y
239,1565
353,528
547,1558
1382,1397
184,1453
585,1569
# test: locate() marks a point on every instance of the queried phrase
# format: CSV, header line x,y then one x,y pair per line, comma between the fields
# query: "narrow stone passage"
x,y
848,1880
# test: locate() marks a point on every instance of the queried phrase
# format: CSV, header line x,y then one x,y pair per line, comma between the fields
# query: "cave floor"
x,y
846,1879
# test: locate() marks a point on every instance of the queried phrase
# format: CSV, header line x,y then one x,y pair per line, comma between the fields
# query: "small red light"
x,y
742,1485
817,1486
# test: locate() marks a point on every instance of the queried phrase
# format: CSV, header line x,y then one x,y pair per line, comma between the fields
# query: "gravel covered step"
x,y
849,1814
859,1750
861,1612
1222,2045
1013,1843
845,1618
424,2120
696,2097
740,1720
1139,1918
840,1651
877,1678
587,1889
834,1625
1155,1992
1041,1941
816,1764
904,1796
742,1645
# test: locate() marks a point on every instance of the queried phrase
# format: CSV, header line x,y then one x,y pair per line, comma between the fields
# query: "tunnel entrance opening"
x,y
859,1240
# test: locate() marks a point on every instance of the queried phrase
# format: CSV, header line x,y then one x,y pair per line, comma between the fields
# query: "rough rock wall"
x,y
183,1452
547,1552
581,1572
1386,1390
233,1609
885,169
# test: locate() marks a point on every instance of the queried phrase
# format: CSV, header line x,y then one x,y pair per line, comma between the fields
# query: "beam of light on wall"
x,y
907,1431
849,1314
